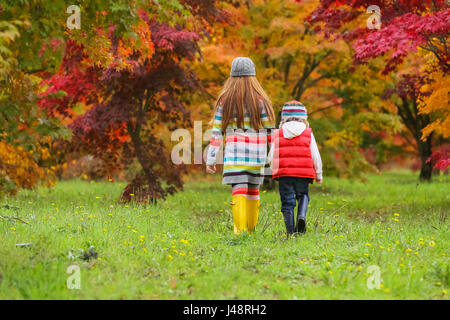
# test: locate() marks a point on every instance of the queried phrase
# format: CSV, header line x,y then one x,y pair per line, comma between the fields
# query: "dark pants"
x,y
292,189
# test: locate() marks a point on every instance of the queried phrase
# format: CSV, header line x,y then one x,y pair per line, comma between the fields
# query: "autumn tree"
x,y
405,96
406,27
435,103
32,34
296,61
137,95
23,126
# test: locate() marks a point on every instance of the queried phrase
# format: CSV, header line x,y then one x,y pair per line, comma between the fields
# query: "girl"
x,y
296,163
244,112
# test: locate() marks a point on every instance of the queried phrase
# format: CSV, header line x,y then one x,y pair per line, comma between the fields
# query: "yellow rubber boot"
x,y
239,213
252,213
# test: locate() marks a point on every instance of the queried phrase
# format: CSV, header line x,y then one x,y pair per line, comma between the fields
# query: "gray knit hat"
x,y
242,66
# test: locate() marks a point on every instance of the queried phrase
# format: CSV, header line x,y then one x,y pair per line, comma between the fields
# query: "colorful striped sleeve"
x,y
267,124
216,138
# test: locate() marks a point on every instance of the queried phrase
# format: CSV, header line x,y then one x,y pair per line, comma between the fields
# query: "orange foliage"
x,y
18,169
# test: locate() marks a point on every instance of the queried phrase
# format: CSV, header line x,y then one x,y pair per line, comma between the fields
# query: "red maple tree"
x,y
405,26
129,105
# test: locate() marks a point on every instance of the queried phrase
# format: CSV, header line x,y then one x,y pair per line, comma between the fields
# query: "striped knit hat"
x,y
294,109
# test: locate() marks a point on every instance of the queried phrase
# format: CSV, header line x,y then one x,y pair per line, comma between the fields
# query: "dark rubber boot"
x,y
301,213
289,221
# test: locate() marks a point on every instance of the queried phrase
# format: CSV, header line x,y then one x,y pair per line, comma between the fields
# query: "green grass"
x,y
184,247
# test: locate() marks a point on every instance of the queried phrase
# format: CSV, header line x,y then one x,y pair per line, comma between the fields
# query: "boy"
x,y
296,163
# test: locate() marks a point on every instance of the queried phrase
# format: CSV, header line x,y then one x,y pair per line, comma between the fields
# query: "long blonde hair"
x,y
241,94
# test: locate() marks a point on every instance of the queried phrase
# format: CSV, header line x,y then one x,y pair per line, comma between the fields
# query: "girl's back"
x,y
244,112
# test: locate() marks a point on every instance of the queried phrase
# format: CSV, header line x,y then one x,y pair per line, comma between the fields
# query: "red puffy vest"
x,y
292,157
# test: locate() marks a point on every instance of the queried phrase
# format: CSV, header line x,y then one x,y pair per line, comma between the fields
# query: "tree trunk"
x,y
415,122
425,153
137,144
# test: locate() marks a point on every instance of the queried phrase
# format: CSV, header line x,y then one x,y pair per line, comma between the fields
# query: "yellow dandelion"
x,y
432,243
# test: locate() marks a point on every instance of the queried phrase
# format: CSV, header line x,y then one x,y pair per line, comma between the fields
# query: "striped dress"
x,y
245,149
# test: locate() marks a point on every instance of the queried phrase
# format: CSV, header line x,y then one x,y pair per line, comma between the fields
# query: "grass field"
x,y
184,247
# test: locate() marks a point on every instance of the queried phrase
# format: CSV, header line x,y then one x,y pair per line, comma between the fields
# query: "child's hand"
x,y
211,169
319,181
